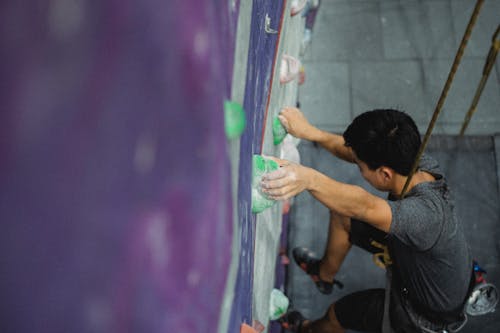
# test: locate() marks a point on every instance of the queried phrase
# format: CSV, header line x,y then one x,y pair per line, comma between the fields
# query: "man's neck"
x,y
418,177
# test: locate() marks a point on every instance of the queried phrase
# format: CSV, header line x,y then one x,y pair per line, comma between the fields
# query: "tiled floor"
x,y
387,53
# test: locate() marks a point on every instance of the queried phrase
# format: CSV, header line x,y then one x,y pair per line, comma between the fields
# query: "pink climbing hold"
x,y
286,207
284,258
297,6
247,329
258,326
289,69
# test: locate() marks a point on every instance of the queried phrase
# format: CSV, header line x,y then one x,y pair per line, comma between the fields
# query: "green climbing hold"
x,y
261,166
234,119
279,132
278,304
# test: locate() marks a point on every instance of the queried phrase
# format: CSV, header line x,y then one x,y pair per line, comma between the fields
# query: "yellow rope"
x,y
444,93
490,61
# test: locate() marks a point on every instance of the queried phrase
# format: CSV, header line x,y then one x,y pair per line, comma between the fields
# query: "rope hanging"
x,y
444,93
490,61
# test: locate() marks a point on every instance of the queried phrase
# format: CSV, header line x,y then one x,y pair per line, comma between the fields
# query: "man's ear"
x,y
386,174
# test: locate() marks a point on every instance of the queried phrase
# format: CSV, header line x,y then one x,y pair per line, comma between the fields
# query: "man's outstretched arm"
x,y
347,200
297,125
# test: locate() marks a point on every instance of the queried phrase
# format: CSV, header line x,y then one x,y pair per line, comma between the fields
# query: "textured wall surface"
x,y
269,222
262,48
264,97
115,195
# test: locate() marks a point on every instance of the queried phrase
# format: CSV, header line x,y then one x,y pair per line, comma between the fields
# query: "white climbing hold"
x,y
278,304
289,69
297,6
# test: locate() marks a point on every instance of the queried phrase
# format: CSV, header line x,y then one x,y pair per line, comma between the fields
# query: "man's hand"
x,y
289,180
296,124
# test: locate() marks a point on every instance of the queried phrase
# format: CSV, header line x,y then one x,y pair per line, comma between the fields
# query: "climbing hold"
x,y
258,326
289,150
302,75
297,6
311,5
279,131
245,328
284,258
261,166
290,153
234,119
287,204
278,304
289,69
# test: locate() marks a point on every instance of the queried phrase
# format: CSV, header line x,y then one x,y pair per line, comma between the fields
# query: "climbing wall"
x,y
269,222
273,33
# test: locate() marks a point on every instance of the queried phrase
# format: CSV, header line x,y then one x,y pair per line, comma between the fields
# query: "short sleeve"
x,y
416,221
429,164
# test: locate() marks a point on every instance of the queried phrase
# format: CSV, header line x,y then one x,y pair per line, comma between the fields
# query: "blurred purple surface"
x,y
115,198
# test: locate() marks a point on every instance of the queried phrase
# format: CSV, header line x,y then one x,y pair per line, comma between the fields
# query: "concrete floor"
x,y
373,54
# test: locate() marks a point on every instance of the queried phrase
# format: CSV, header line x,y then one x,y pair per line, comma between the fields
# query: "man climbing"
x,y
417,237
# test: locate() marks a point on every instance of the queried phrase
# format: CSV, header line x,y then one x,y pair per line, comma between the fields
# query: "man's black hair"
x,y
384,137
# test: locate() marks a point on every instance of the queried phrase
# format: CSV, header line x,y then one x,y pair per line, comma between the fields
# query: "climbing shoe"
x,y
310,264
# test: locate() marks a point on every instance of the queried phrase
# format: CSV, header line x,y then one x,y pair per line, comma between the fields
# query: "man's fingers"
x,y
275,183
275,191
282,193
277,160
273,175
284,110
284,122
288,109
278,189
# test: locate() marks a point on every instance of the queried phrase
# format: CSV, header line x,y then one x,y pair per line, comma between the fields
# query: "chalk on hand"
x,y
278,304
279,131
261,166
234,119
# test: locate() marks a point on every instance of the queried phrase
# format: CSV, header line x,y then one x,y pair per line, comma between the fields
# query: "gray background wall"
x,y
379,54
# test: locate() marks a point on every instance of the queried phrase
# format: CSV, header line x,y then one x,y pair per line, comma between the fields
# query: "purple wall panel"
x,y
281,269
114,179
261,56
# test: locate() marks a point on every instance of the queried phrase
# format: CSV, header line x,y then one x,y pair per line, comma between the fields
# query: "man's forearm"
x,y
334,143
349,200
297,125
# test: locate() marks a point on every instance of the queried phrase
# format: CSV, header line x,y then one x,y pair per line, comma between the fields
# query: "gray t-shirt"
x,y
428,246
